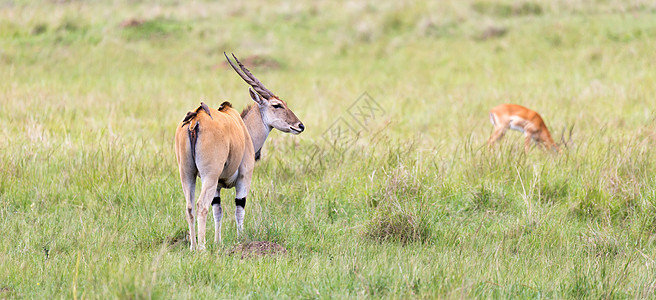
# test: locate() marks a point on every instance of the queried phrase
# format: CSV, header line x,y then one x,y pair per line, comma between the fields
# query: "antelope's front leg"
x,y
218,215
242,186
527,143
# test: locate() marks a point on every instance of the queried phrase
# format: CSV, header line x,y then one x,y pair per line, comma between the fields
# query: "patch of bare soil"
x,y
256,62
131,23
492,32
256,249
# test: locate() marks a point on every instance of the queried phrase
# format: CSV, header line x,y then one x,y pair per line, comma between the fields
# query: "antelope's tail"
x,y
193,129
193,138
493,119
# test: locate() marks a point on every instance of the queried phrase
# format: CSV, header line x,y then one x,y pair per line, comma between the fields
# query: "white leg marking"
x,y
239,217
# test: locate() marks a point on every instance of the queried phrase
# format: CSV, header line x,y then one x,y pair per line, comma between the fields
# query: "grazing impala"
x,y
517,117
221,147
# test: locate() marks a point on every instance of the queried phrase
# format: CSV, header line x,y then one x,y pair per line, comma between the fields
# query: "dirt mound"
x,y
131,23
492,32
256,62
258,248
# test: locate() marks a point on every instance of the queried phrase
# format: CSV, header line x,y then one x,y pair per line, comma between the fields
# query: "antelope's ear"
x,y
256,97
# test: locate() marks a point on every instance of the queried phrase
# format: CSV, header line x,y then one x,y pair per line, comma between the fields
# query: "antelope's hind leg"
x,y
189,189
497,134
210,166
207,192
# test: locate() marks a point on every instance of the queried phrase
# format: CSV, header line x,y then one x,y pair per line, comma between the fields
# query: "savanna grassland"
x,y
407,202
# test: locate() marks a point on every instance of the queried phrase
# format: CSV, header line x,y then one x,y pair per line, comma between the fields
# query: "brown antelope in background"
x,y
517,117
221,147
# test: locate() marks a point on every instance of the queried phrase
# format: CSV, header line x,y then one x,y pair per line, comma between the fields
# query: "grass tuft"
x,y
399,226
398,211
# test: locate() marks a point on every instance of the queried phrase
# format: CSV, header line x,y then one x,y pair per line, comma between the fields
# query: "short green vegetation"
x,y
402,200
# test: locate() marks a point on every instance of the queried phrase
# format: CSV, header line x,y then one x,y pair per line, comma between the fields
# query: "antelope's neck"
x,y
256,127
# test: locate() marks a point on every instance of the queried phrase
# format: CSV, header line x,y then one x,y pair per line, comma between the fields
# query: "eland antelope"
x,y
517,117
221,146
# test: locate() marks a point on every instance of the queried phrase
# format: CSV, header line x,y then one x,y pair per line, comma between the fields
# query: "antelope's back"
x,y
505,110
222,140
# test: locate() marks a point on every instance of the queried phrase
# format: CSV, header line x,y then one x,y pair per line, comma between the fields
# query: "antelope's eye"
x,y
277,105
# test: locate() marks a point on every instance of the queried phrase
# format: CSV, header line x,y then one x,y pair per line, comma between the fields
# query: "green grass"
x,y
413,206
